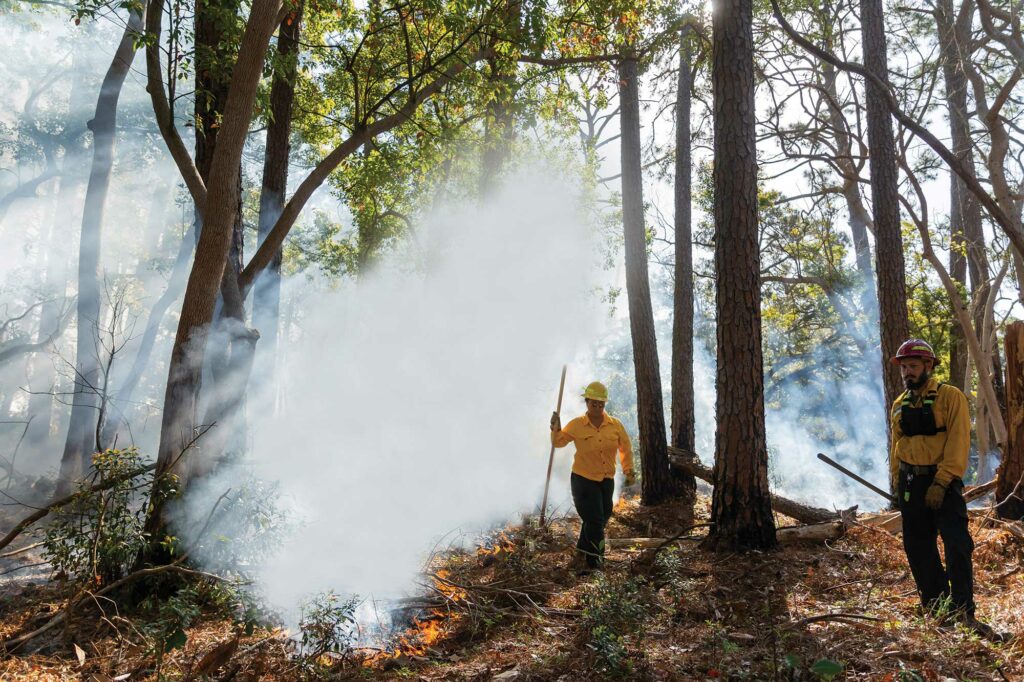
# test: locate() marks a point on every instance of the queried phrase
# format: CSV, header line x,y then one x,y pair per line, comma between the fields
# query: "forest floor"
x,y
512,609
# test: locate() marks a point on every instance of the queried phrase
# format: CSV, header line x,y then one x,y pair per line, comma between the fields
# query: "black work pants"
x,y
593,500
921,527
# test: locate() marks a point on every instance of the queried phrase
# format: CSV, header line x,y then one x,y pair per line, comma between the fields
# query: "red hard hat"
x,y
915,348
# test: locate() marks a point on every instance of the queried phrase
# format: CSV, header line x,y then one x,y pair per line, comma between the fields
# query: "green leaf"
x,y
176,640
826,669
792,661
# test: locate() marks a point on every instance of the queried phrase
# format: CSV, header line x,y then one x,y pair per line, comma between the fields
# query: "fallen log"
x,y
688,462
976,491
817,532
893,521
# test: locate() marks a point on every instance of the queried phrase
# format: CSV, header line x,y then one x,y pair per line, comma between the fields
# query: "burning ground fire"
x,y
426,631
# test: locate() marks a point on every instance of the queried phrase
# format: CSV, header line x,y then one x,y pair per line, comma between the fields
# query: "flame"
x,y
427,631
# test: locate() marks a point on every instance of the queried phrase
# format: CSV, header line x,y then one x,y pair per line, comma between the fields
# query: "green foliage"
x,y
668,565
167,619
237,528
98,536
824,669
613,608
610,651
328,626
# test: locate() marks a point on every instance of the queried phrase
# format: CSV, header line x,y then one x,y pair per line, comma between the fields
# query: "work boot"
x,y
578,564
985,631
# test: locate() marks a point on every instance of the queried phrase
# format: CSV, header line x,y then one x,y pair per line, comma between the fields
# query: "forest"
x,y
286,287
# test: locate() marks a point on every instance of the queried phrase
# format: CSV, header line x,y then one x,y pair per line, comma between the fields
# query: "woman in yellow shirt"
x,y
598,437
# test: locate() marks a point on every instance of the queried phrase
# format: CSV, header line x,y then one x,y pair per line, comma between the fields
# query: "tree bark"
x,y
179,421
38,437
741,506
499,122
889,264
81,438
1010,489
657,483
859,217
964,212
266,301
683,417
686,461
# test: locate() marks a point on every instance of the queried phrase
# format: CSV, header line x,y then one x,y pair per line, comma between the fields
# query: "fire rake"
x,y
827,460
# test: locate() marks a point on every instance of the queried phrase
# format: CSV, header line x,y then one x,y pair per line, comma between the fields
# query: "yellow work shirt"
x,y
596,447
947,449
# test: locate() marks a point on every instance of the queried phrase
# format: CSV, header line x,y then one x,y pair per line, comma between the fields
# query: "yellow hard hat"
x,y
595,390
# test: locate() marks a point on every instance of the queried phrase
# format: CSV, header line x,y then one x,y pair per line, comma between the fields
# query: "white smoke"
x,y
417,402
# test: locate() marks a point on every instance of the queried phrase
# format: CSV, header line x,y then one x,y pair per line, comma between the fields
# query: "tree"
x,y
403,65
267,290
1010,489
84,433
964,215
741,513
885,203
682,309
657,483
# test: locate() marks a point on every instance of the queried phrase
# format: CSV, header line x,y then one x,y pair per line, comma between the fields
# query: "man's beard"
x,y
915,384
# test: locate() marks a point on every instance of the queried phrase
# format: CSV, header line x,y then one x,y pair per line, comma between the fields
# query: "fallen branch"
x,y
16,552
12,644
688,462
833,616
976,491
817,532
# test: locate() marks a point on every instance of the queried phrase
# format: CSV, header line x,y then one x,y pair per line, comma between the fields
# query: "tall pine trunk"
x,y
266,302
741,512
963,208
658,483
889,263
682,315
83,431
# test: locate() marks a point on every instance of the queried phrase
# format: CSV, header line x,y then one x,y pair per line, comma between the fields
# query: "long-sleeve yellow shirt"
x,y
948,449
596,447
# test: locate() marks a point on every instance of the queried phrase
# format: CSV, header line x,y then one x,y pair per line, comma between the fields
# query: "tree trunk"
x,y
741,506
179,423
682,315
1010,489
889,264
39,436
657,482
82,436
682,460
499,127
859,218
954,36
499,121
266,302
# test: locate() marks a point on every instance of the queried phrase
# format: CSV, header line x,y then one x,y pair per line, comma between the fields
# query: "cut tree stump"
x,y
688,462
816,532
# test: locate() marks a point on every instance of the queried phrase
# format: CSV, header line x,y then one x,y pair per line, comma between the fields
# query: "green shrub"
x,y
328,625
97,537
613,608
